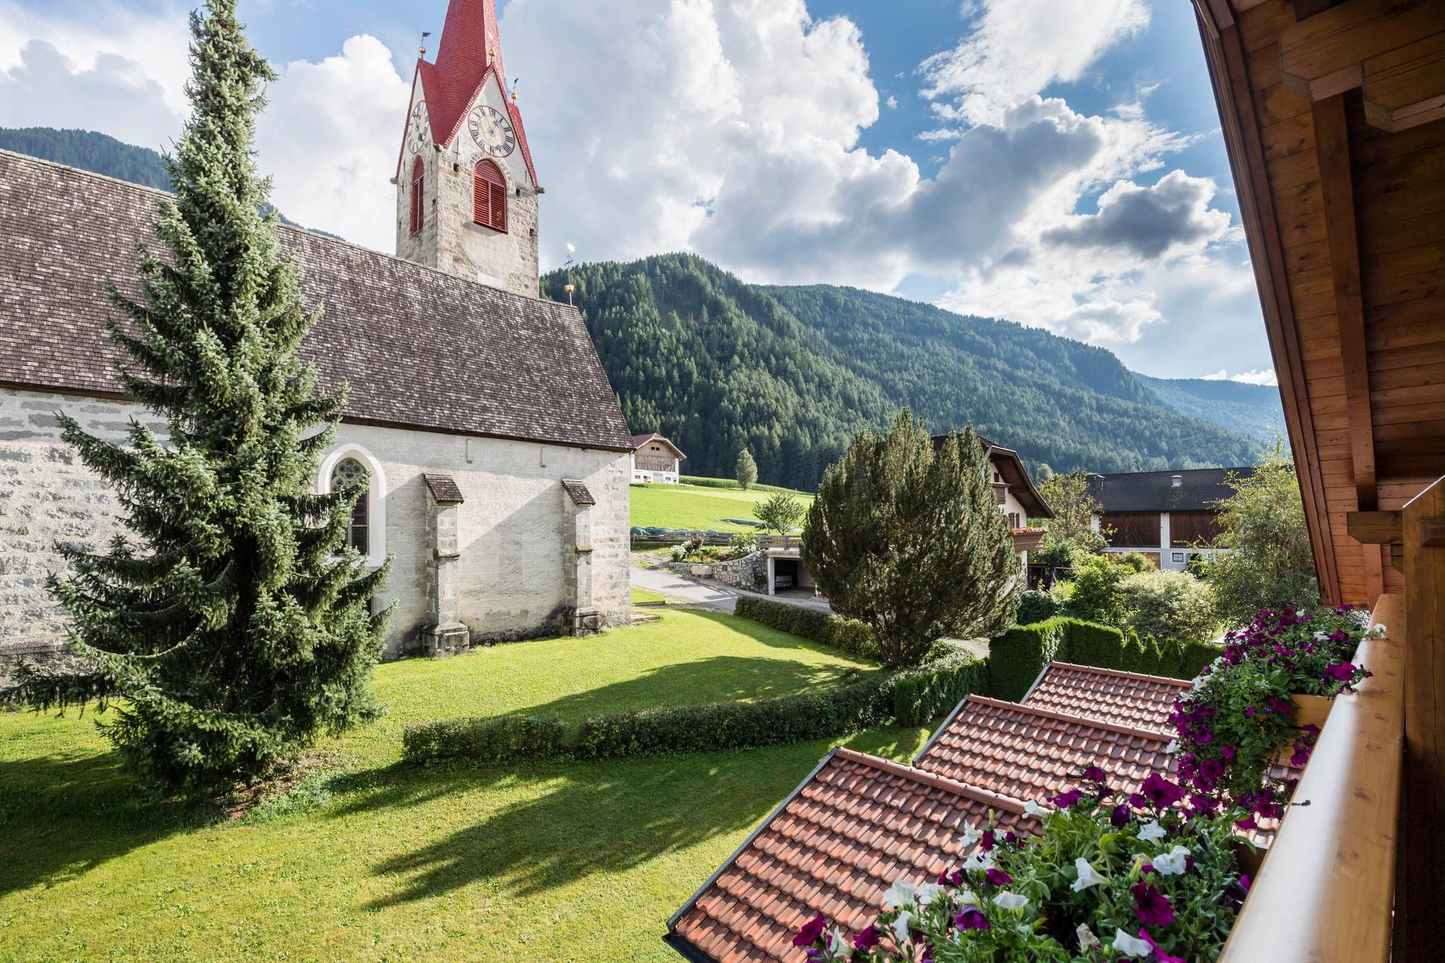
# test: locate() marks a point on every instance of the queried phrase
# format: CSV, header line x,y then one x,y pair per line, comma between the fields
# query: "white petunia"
x,y
1032,808
1172,863
979,860
1087,876
966,896
929,892
1152,832
1379,628
1320,636
1131,945
1173,747
900,927
1087,939
901,893
837,942
969,838
1010,901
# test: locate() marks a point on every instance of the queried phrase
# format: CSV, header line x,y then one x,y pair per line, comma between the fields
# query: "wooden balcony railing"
x,y
1326,891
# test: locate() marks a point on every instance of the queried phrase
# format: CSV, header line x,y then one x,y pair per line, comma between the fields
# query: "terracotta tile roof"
x,y
420,349
848,831
1108,695
1028,753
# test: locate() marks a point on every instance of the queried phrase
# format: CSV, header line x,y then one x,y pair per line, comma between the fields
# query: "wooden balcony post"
x,y
1422,880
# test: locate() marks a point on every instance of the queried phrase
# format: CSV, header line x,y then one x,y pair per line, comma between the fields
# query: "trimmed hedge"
x,y
1018,656
736,725
486,740
923,694
845,635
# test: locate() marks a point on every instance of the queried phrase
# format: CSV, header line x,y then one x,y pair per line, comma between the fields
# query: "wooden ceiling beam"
x,y
1406,86
1376,528
1323,56
1332,146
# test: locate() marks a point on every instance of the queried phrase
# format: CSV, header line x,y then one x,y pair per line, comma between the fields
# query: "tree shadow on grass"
x,y
62,815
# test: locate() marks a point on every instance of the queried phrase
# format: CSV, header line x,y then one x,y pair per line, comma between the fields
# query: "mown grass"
x,y
642,595
368,859
693,506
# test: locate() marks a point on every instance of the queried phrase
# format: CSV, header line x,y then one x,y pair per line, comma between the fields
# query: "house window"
x,y
1178,556
349,472
353,465
489,196
418,196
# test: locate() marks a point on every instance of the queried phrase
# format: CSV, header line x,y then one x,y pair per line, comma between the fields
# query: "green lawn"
x,y
643,595
391,863
694,506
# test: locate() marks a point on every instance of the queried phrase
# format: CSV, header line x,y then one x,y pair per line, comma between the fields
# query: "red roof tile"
x,y
1027,753
1108,695
852,828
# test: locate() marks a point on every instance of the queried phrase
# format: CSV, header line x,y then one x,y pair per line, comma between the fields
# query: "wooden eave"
x,y
1334,120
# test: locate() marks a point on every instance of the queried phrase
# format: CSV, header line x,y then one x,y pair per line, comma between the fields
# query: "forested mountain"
x,y
1251,409
791,373
97,153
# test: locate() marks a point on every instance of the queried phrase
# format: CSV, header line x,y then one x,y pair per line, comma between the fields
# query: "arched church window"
x,y
349,472
418,195
489,196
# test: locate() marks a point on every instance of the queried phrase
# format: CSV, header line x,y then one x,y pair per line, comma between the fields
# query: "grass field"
x,y
373,860
642,595
695,506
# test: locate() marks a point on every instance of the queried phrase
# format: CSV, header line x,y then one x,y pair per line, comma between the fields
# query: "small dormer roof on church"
x,y
469,53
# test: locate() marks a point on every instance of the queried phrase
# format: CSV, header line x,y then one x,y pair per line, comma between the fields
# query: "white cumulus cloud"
x,y
1263,376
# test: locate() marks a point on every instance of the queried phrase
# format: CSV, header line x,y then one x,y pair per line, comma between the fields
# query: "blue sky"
x,y
1054,162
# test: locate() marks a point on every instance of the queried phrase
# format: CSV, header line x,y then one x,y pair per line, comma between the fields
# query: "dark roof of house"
x,y
639,440
1011,468
1153,491
443,488
1108,695
855,825
1027,752
419,348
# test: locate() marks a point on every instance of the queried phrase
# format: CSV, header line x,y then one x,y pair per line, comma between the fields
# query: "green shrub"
x,y
1035,606
1016,658
925,693
1100,645
1173,607
1096,594
836,632
736,725
486,740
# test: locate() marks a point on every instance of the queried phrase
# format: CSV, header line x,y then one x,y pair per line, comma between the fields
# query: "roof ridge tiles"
x,y
1152,734
934,780
1121,673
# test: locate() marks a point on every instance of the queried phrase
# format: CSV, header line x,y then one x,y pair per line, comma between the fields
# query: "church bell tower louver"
x,y
466,190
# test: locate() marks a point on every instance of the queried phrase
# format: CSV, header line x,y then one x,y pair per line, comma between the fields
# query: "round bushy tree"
x,y
909,539
747,469
230,622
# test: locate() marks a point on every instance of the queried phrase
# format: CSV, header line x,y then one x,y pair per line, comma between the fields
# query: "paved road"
x,y
707,593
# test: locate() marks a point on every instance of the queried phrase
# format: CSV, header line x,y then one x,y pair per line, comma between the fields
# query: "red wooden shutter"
x,y
489,196
418,196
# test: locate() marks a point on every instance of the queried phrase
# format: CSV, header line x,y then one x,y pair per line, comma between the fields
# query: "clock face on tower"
x,y
492,131
418,131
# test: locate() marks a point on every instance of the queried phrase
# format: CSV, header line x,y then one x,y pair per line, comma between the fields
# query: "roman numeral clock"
x,y
492,131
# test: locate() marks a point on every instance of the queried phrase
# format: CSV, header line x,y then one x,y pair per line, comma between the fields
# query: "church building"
x,y
496,453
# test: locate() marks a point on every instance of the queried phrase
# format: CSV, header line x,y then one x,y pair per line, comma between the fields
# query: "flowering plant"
x,y
1111,876
1239,717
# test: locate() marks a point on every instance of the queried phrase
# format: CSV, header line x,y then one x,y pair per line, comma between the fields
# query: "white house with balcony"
x,y
655,460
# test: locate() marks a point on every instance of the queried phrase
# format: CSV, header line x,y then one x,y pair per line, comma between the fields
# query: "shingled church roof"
x,y
419,348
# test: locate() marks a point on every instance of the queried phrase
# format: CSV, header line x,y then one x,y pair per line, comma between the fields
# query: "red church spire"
x,y
469,44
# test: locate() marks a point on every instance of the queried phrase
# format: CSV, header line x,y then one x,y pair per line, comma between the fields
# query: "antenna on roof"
x,y
421,48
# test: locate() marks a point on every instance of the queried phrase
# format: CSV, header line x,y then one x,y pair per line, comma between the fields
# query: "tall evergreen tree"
x,y
910,540
230,621
747,469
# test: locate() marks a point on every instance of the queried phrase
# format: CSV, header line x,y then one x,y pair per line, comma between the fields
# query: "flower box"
x,y
1311,710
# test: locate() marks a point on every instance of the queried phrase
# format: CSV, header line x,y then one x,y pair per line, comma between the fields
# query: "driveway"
x,y
707,593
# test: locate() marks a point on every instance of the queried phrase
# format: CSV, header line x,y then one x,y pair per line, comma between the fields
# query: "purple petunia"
x,y
1341,672
1066,799
1120,816
1159,954
867,938
1159,792
1151,906
811,930
972,918
986,840
954,878
1094,774
997,877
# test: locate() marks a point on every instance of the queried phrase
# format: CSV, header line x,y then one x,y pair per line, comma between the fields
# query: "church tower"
x,y
466,190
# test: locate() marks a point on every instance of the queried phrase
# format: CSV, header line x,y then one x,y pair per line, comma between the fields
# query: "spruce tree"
x,y
229,625
909,539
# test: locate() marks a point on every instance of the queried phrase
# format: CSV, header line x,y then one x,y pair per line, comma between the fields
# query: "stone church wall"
x,y
510,525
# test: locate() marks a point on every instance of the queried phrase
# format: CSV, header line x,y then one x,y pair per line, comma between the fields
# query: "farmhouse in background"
x,y
1166,516
655,459
480,415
